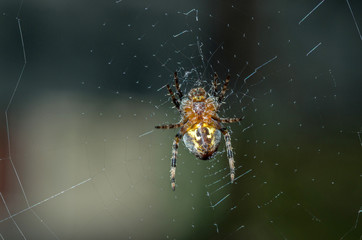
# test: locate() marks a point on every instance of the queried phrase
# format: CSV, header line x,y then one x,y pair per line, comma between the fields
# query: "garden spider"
x,y
201,127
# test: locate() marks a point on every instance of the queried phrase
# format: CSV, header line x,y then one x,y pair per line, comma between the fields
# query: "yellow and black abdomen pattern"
x,y
202,140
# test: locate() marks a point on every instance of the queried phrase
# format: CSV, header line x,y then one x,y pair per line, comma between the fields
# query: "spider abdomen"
x,y
202,140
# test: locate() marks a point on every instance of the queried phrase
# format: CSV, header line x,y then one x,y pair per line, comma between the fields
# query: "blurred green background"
x,y
79,156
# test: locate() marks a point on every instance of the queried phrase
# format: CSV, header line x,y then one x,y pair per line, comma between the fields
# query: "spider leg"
x,y
173,160
224,88
230,120
174,100
225,120
177,85
215,84
169,126
229,151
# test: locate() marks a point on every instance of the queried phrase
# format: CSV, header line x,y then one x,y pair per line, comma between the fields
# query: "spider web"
x,y
83,85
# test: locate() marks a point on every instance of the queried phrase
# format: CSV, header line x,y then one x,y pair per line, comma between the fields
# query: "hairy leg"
x,y
215,84
177,85
174,100
229,151
169,126
230,120
173,160
224,88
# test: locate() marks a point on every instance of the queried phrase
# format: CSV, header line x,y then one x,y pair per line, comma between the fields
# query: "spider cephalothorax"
x,y
197,94
201,127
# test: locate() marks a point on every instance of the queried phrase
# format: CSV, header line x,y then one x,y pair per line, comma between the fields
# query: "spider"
x,y
201,127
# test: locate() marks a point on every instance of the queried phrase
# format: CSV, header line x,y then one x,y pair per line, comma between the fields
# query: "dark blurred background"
x,y
79,156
